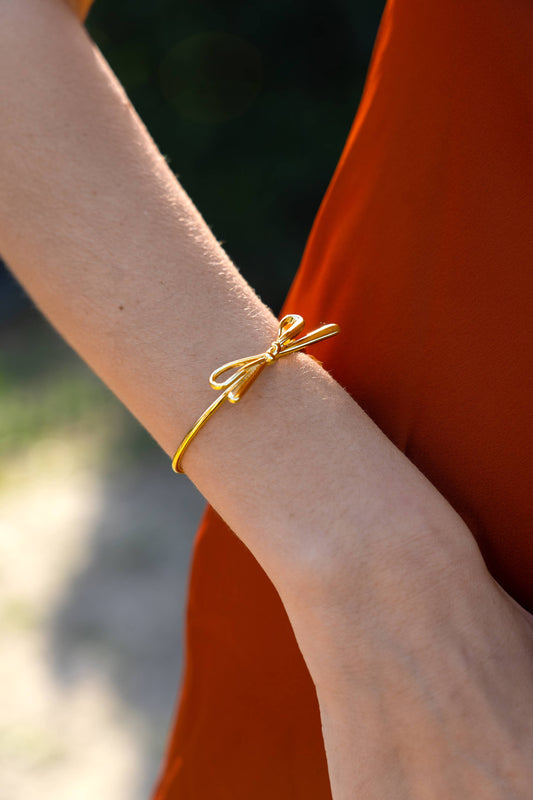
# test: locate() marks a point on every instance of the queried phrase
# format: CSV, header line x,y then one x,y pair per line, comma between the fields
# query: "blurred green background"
x,y
251,104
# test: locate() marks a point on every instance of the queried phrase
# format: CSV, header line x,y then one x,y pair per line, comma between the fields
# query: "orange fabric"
x,y
422,251
81,7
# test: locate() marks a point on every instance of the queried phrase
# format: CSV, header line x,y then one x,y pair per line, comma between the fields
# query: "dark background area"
x,y
250,103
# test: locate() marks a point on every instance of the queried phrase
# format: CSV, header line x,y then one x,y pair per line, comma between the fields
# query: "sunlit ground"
x,y
95,538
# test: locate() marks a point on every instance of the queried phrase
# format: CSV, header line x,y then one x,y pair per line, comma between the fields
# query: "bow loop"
x,y
289,327
240,367
246,370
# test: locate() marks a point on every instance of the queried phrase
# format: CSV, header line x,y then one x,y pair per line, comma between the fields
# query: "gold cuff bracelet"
x,y
246,370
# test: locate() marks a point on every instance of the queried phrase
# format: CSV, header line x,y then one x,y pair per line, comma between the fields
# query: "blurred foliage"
x,y
47,391
251,104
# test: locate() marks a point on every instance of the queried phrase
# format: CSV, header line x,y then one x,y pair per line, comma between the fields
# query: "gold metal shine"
x,y
246,370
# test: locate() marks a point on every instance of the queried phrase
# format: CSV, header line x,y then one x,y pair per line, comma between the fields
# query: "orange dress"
x,y
81,7
422,251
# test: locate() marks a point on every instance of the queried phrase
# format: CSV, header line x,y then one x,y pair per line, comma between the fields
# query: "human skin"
x,y
400,624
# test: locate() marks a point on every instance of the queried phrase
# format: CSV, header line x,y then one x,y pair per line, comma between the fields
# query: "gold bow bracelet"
x,y
246,370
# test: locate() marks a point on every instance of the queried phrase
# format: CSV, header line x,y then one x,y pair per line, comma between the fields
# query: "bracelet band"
x,y
246,370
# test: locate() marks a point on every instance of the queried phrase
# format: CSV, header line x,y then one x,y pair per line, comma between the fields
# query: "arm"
x,y
96,227
100,233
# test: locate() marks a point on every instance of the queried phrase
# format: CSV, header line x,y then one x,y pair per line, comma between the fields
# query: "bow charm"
x,y
246,370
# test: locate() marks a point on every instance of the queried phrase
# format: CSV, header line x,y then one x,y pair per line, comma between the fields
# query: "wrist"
x,y
429,698
358,609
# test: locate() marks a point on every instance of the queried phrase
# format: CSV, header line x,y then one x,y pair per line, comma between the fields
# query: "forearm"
x,y
97,228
